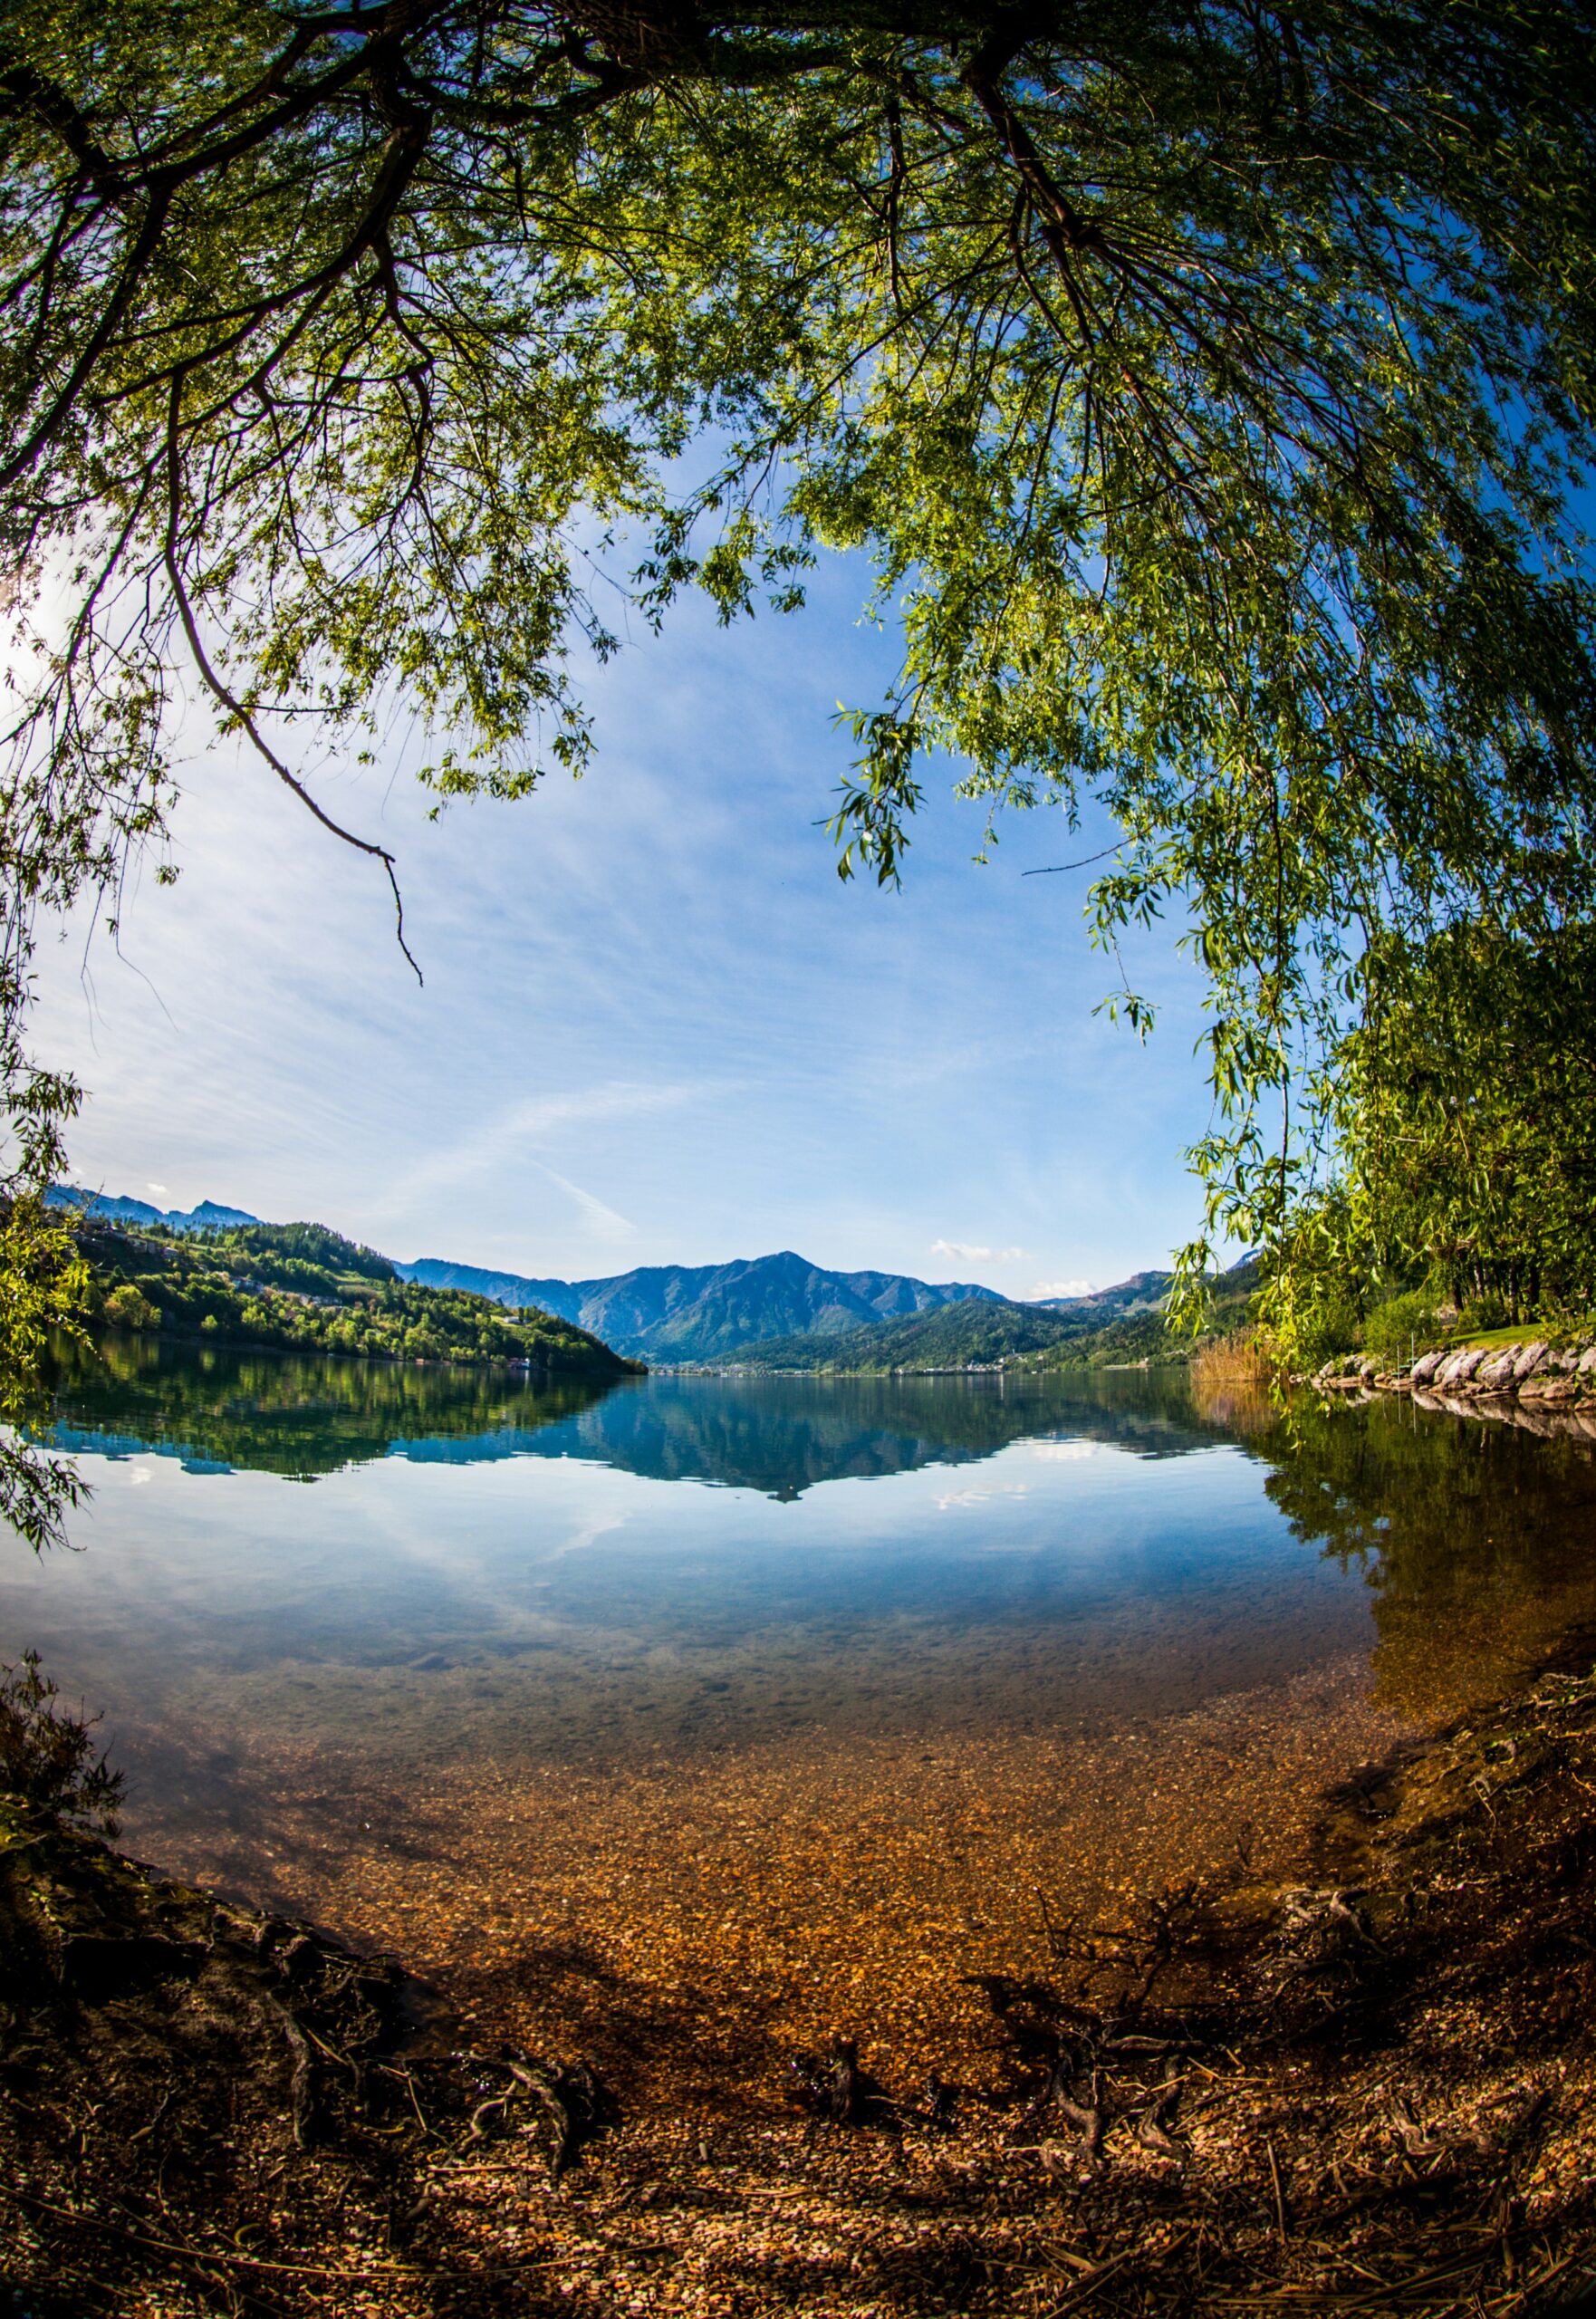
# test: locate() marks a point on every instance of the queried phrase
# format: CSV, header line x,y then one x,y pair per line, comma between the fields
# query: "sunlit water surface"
x,y
738,1696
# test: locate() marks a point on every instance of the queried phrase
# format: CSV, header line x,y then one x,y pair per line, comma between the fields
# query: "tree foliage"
x,y
1464,1108
1203,385
299,1414
42,1276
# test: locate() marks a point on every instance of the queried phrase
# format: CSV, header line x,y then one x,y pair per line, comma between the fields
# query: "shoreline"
x,y
1517,1378
196,1341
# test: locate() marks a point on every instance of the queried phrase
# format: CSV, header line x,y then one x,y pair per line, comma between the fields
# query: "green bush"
x,y
1319,1331
1408,1320
1488,1310
128,1307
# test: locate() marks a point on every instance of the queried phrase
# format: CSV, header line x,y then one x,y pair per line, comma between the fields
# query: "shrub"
x,y
1408,1320
128,1307
1488,1310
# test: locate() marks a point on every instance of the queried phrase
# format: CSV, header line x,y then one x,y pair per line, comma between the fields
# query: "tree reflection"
x,y
303,1415
1476,1537
296,1415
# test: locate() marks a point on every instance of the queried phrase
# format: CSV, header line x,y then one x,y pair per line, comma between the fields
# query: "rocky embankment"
x,y
1551,1387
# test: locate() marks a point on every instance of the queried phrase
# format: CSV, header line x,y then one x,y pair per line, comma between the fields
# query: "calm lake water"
x,y
830,1679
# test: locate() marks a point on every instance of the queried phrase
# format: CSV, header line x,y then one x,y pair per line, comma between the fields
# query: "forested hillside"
x,y
1118,1324
300,1285
962,1336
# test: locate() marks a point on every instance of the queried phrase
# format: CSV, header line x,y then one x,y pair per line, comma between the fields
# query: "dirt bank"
x,y
1370,2090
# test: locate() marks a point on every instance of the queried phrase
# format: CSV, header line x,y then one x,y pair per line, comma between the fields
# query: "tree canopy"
x,y
1207,387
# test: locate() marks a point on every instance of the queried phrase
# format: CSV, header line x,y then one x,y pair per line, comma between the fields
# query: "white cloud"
x,y
501,1141
602,1221
589,1003
980,1495
1062,1288
159,1190
963,1252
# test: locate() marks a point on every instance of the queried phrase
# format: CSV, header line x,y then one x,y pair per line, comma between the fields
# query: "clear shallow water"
x,y
248,1510
387,1645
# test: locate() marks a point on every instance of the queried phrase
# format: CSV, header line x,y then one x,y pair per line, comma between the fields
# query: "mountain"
x,y
116,1209
774,1312
515,1289
969,1335
1144,1291
709,1312
1118,1324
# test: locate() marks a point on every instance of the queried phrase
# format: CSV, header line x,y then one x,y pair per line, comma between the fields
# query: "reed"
x,y
1236,1360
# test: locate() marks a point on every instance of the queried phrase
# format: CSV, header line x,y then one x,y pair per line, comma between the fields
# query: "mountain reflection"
x,y
288,1414
1474,1540
299,1417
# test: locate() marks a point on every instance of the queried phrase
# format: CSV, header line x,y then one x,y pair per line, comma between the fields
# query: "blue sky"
x,y
656,1027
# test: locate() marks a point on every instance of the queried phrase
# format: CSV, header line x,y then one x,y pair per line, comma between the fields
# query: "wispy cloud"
x,y
1062,1288
965,1252
602,1222
590,1004
507,1135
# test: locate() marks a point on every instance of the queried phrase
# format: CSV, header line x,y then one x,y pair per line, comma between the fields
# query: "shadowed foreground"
x,y
1371,2092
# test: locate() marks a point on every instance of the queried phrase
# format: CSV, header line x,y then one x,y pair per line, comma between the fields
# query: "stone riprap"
x,y
1530,1381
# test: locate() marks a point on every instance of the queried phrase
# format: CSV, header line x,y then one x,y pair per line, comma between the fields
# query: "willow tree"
x,y
1463,1104
1204,386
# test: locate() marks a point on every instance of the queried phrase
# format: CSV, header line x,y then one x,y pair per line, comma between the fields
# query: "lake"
x,y
723,1712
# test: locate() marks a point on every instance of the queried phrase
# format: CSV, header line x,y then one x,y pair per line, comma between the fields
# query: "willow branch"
x,y
227,699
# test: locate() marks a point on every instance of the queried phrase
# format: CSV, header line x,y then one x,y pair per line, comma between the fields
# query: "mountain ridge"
x,y
1124,1320
117,1207
766,1307
707,1311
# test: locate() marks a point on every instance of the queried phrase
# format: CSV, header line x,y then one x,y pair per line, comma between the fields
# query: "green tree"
x,y
43,1279
128,1307
1462,1110
1203,389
